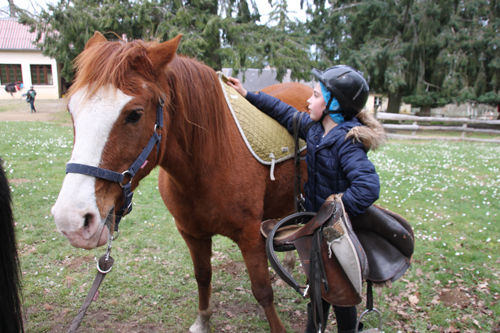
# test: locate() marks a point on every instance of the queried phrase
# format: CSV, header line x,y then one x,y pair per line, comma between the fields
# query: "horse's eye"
x,y
134,117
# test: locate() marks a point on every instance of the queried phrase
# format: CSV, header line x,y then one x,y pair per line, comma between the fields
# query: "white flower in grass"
x,y
488,239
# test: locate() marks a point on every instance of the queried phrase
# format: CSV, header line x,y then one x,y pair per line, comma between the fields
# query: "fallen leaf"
x,y
403,314
435,300
65,311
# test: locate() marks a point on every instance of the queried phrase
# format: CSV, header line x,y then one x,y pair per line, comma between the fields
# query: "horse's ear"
x,y
162,54
97,38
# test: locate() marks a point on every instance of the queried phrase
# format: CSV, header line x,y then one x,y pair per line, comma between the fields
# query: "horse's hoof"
x,y
197,328
202,321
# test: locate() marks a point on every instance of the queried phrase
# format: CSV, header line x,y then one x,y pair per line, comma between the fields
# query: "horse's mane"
x,y
193,90
10,302
200,97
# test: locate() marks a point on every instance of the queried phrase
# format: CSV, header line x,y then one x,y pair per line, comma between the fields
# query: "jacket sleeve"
x,y
360,171
278,110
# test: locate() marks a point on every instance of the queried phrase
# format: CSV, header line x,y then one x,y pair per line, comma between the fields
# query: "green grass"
x,y
449,191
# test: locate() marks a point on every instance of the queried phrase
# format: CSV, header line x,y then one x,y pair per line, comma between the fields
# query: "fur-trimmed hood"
x,y
371,135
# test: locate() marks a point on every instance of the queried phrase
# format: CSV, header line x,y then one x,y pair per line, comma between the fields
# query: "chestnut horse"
x,y
208,179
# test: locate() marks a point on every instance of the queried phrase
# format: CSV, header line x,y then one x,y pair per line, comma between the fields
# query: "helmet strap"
x,y
327,111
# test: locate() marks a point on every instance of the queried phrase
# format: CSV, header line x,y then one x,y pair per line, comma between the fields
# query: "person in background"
x,y
337,146
30,97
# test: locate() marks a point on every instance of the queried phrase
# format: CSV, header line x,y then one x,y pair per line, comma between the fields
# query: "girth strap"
x,y
317,277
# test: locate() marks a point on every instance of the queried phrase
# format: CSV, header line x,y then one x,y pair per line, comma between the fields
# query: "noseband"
x,y
117,177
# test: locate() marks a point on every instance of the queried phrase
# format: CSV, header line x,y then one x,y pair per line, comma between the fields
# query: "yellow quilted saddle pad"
x,y
267,140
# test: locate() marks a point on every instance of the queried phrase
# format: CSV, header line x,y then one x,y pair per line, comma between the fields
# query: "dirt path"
x,y
48,110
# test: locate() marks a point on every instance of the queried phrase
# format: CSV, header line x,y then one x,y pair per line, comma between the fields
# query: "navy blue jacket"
x,y
334,164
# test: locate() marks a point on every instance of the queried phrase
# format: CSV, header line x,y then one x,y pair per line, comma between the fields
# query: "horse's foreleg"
x,y
201,252
254,254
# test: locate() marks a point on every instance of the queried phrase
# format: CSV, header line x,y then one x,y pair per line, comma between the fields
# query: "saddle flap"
x,y
343,242
341,291
385,260
398,218
390,226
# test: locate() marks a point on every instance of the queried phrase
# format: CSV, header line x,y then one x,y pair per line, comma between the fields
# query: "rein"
x,y
105,263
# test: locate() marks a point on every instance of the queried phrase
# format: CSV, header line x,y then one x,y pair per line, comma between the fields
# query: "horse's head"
x,y
113,104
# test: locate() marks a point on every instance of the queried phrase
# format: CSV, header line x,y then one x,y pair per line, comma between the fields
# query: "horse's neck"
x,y
201,136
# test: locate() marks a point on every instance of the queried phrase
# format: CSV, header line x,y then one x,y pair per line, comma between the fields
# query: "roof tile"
x,y
15,36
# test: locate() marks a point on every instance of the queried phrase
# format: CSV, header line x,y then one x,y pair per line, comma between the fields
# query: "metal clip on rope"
x,y
106,257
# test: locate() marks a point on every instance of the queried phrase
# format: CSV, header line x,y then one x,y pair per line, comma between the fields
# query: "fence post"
x,y
464,126
414,132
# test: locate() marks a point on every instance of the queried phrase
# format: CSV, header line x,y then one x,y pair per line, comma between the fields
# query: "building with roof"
x,y
23,64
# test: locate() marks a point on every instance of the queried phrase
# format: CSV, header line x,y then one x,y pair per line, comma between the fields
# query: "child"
x,y
31,98
336,150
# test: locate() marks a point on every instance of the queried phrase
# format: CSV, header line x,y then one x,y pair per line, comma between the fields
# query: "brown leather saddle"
x,y
384,242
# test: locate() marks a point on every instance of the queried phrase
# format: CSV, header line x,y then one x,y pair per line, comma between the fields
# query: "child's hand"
x,y
236,84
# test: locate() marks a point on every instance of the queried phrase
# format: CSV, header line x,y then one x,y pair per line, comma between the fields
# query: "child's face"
x,y
316,103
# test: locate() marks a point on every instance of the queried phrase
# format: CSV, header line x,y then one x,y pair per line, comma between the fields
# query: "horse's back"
x,y
292,93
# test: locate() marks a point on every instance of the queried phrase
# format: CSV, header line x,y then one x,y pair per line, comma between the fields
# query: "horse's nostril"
x,y
87,221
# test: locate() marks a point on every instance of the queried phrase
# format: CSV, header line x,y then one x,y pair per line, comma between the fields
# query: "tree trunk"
x,y
425,111
394,102
12,8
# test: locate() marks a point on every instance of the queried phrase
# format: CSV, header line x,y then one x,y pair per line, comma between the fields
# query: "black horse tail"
x,y
11,319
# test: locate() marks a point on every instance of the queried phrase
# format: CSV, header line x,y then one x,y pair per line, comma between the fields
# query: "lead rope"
x,y
104,266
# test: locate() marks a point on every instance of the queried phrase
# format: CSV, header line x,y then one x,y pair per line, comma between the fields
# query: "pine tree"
x,y
217,32
425,52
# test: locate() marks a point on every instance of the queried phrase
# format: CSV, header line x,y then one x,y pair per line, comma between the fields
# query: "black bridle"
x,y
117,177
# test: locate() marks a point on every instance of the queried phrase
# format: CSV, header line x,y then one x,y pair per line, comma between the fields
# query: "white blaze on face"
x,y
93,120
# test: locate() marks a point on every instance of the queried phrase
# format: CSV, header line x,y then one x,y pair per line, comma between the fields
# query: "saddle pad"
x,y
267,140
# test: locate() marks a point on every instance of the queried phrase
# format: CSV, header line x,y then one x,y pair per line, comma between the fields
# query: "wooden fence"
x,y
404,124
